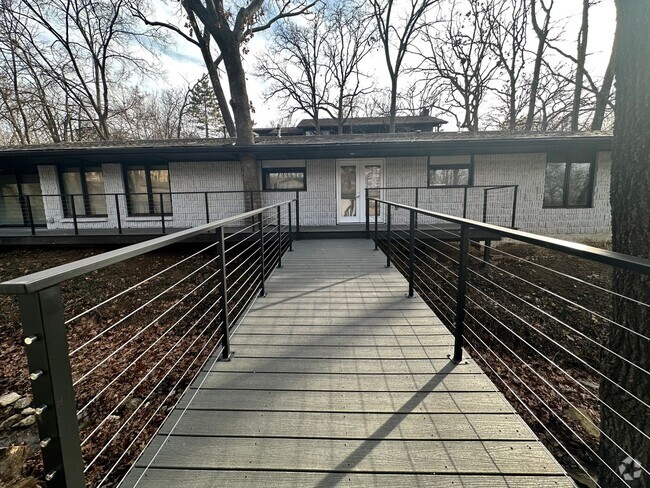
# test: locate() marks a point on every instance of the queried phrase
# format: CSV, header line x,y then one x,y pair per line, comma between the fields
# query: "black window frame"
x,y
80,170
468,166
294,169
567,183
150,195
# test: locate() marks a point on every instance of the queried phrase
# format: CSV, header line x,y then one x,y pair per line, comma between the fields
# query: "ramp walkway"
x,y
338,379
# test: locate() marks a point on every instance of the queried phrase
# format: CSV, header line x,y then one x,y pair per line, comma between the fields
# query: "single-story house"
x,y
562,179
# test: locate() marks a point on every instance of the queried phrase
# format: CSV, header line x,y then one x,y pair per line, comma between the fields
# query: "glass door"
x,y
353,177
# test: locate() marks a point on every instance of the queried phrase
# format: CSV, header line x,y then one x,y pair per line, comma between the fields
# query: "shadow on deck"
x,y
339,379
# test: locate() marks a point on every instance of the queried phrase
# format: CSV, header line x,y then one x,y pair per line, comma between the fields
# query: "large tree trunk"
x,y
393,105
580,67
603,95
542,34
630,201
242,112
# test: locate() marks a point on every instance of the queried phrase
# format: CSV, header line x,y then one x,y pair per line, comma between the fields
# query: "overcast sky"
x,y
184,65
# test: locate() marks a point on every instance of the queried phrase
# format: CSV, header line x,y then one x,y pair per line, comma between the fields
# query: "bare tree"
x,y
459,57
509,28
397,29
296,66
542,30
604,95
580,65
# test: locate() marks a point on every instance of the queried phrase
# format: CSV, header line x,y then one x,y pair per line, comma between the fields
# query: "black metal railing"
x,y
467,201
119,212
108,365
541,318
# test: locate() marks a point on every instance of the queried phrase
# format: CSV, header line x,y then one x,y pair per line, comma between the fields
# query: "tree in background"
x,y
397,29
203,109
630,201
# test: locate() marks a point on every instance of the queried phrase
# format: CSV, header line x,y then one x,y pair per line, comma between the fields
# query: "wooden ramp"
x,y
338,379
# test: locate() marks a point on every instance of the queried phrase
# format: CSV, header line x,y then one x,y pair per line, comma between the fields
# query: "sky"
x,y
183,64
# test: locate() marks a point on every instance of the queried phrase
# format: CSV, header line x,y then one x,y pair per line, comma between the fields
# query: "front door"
x,y
352,178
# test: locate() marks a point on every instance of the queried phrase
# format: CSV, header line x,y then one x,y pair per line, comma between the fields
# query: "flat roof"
x,y
309,147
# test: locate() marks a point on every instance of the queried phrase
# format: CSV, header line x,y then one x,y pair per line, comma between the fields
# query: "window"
x,y
284,179
456,171
568,185
83,192
148,191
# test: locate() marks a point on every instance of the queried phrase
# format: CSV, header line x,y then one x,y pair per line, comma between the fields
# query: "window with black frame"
x,y
284,179
449,173
568,184
83,191
148,190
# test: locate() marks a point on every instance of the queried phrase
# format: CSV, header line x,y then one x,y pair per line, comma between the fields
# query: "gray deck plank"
x,y
155,478
348,456
348,401
339,379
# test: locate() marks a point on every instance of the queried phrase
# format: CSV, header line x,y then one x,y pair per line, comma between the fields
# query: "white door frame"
x,y
360,183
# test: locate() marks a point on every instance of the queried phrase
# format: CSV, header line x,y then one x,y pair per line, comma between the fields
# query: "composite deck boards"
x,y
338,379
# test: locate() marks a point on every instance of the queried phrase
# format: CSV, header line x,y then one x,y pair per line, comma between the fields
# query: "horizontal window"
x,y
568,185
83,192
284,179
148,190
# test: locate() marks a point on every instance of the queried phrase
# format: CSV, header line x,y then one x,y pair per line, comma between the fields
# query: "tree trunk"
x,y
630,201
603,95
393,105
580,67
534,85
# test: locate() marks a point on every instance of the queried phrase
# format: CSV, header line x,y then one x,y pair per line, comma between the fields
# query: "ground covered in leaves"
x,y
138,332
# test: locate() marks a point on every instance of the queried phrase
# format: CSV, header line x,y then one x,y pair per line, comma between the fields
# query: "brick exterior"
x,y
318,203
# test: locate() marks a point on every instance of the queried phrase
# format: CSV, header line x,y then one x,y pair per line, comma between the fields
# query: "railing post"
x,y
261,221
465,203
290,236
417,201
297,215
48,358
279,236
460,294
388,217
487,251
411,252
485,201
162,213
367,214
207,208
514,206
376,229
223,291
74,215
117,214
30,214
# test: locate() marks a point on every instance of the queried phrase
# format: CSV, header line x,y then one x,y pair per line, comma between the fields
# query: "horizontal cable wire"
x,y
570,302
561,322
559,417
187,350
256,260
558,367
94,368
164,334
239,231
253,275
130,314
563,348
611,292
249,255
151,370
138,284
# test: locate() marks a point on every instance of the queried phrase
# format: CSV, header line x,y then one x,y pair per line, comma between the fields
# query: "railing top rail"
x,y
44,279
210,192
440,187
624,261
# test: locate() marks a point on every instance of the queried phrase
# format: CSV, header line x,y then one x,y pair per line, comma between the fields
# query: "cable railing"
x,y
132,212
547,322
494,204
106,376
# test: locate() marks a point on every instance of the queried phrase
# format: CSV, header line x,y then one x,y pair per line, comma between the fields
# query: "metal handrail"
x,y
45,332
612,258
49,277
